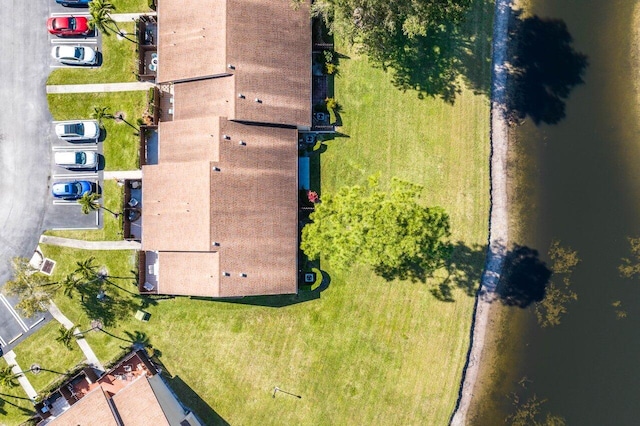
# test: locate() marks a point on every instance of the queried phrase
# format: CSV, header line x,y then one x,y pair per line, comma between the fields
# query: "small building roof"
x,y
263,64
92,410
137,405
199,140
176,212
191,39
189,273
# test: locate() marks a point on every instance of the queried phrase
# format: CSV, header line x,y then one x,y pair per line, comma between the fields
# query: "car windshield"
x,y
77,188
81,158
77,52
72,23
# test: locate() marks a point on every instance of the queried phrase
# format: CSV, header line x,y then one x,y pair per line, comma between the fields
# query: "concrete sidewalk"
x,y
10,357
122,174
90,245
92,359
100,87
129,17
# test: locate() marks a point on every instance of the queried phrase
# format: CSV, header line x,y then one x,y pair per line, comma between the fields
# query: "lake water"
x,y
582,184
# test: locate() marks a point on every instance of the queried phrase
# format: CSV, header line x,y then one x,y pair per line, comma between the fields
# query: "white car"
x,y
77,160
78,130
74,55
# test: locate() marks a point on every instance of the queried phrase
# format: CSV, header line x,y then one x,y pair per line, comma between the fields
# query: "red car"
x,y
68,26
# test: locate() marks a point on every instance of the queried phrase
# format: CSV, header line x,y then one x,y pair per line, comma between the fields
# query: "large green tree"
x,y
32,288
389,231
415,38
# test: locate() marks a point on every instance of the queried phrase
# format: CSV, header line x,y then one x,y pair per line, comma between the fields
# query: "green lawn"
x,y
131,6
119,63
366,351
121,145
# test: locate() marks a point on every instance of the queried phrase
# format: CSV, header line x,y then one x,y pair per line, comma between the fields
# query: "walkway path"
x,y
92,359
10,357
498,221
122,174
90,245
100,87
127,17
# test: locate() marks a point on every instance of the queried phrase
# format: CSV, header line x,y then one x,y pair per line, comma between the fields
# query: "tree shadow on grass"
x,y
107,306
188,396
464,271
433,64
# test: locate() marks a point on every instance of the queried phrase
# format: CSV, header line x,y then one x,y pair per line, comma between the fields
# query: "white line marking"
x,y
15,338
37,322
2,341
79,175
76,41
70,14
72,148
13,312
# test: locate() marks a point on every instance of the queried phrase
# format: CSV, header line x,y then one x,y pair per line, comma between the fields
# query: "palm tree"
x,y
87,269
101,19
7,377
69,284
66,335
89,203
100,113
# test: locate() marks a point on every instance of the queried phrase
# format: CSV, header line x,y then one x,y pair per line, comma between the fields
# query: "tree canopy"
x,y
413,37
32,288
389,231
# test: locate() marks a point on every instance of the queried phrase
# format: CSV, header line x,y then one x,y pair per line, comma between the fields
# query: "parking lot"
x,y
92,40
67,214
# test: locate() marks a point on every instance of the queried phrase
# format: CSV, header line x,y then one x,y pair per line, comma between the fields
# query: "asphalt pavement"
x,y
26,139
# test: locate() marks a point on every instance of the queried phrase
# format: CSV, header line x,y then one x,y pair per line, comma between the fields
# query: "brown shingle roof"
x,y
199,140
205,98
267,43
252,220
254,202
137,405
176,211
189,273
92,410
191,39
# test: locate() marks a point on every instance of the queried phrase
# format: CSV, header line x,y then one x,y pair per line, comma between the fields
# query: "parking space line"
x,y
71,14
65,203
2,341
13,312
37,322
15,338
76,175
78,41
73,148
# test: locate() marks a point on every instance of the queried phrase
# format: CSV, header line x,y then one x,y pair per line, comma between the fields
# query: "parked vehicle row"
x,y
73,2
76,132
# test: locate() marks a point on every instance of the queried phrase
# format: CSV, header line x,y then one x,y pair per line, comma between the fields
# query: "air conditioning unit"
x,y
310,277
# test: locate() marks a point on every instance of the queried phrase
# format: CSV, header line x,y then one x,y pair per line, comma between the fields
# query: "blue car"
x,y
71,190
73,2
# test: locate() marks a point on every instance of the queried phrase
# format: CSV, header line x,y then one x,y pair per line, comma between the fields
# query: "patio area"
x,y
148,61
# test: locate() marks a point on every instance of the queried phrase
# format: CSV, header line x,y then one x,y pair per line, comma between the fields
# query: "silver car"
x,y
74,55
76,160
78,130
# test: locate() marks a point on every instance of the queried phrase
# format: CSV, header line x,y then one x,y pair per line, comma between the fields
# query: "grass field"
x,y
365,351
119,63
130,6
121,147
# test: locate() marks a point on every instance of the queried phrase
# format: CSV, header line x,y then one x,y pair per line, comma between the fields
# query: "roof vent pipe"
x,y
226,137
231,67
